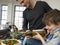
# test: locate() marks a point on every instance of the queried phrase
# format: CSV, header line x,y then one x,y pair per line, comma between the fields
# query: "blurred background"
x,y
12,12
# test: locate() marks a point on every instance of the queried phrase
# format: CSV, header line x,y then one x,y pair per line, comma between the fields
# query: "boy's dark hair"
x,y
52,16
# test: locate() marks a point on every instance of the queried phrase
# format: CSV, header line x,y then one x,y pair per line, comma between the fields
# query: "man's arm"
x,y
25,22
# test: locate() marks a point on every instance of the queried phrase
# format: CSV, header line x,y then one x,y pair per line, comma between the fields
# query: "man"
x,y
33,15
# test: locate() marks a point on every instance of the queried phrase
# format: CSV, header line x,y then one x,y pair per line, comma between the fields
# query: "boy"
x,y
52,21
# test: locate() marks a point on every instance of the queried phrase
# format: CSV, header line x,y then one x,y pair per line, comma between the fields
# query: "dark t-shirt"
x,y
34,16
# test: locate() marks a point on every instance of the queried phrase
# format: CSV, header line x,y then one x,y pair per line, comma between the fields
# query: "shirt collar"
x,y
56,30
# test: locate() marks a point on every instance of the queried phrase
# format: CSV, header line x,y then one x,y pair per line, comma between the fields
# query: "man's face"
x,y
24,3
50,27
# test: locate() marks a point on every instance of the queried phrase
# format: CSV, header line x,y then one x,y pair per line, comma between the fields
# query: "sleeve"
x,y
25,22
46,7
55,40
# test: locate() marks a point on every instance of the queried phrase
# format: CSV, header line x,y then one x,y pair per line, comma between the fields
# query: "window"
x,y
4,14
19,16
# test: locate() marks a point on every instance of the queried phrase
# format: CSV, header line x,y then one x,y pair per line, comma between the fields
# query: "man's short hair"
x,y
52,16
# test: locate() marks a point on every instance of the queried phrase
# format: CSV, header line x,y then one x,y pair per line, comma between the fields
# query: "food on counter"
x,y
30,34
10,42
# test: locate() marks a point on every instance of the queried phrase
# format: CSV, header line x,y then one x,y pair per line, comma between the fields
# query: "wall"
x,y
53,3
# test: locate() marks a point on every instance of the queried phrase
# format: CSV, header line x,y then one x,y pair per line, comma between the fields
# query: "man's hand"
x,y
27,31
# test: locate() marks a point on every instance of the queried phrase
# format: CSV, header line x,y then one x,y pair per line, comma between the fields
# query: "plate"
x,y
10,41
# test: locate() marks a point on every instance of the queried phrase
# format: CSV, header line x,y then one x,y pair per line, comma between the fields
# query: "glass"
x,y
4,7
19,16
4,14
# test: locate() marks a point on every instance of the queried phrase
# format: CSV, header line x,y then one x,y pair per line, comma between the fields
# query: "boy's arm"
x,y
39,37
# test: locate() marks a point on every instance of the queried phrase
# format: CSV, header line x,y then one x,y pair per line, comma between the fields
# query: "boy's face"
x,y
24,3
51,27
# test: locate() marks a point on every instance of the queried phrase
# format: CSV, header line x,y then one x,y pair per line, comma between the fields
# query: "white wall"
x,y
53,3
